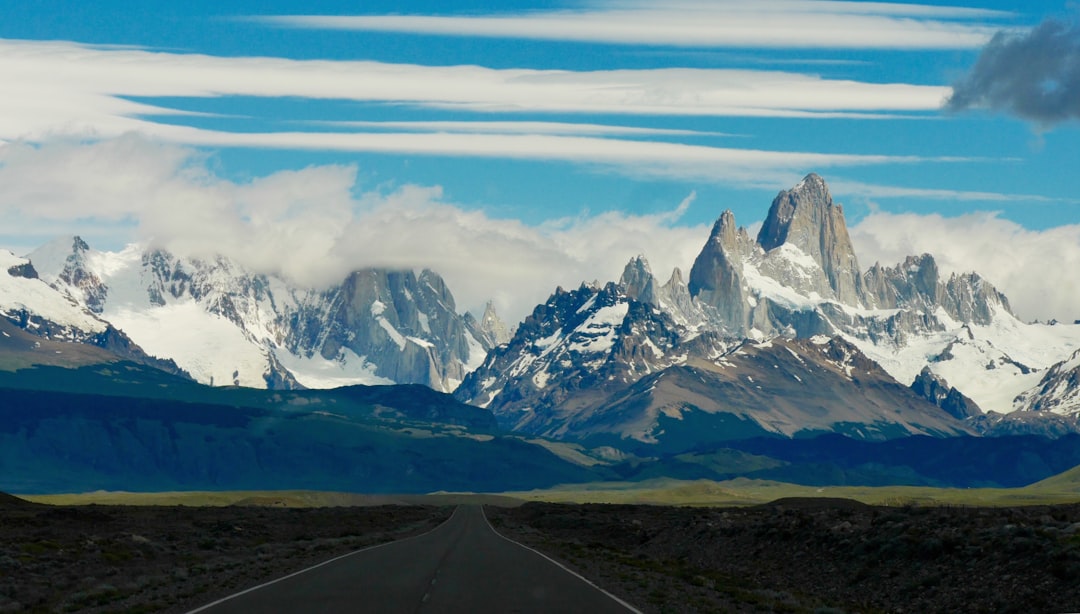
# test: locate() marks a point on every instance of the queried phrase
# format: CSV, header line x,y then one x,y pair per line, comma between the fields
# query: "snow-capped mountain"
x,y
955,339
1058,389
227,326
29,305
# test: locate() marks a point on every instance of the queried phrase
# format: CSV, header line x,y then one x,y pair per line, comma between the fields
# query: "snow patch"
x,y
597,333
209,347
397,337
317,372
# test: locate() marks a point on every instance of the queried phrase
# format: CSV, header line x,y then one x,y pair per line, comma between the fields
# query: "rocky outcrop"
x,y
67,260
490,330
936,390
638,282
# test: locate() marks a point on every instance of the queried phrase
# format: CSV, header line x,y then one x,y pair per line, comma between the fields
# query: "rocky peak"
x,y
490,330
806,217
638,282
63,263
913,283
676,278
970,298
716,279
493,324
25,270
674,297
935,389
401,322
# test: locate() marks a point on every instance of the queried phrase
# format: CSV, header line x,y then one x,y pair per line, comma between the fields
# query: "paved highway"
x,y
461,566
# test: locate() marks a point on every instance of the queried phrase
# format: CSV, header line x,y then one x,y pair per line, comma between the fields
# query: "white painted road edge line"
x,y
563,567
336,558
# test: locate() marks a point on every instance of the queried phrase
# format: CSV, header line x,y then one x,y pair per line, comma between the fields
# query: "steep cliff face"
x,y
403,323
806,218
717,279
913,284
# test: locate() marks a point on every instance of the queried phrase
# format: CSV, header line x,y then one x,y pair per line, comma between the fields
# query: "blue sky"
x,y
573,134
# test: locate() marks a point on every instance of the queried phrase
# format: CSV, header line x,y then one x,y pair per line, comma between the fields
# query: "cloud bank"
x,y
310,227
1035,76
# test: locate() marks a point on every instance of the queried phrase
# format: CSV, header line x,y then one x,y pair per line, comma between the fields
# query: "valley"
x,y
542,306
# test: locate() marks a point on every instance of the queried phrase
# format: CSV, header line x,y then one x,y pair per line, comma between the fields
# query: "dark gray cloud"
x,y
1035,75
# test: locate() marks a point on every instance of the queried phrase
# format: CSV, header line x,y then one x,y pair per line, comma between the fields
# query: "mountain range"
x,y
782,335
224,325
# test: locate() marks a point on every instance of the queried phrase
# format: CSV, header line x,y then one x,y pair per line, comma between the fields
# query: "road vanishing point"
x,y
462,565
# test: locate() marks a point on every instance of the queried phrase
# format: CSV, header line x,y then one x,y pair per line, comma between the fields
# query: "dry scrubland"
x,y
169,559
175,551
815,555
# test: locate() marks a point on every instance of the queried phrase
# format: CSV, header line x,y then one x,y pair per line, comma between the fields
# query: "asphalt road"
x,y
461,566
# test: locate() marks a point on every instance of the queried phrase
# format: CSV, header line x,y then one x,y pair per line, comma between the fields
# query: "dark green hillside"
x,y
123,426
131,380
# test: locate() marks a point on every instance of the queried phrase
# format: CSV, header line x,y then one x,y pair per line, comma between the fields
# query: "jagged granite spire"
x,y
490,330
638,282
913,283
916,284
716,279
805,217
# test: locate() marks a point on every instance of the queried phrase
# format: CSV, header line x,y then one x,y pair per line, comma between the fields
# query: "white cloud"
x,y
517,127
62,88
308,226
635,158
701,23
53,87
869,190
517,265
1036,269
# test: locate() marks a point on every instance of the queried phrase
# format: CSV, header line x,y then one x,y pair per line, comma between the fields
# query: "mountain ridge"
x,y
376,326
799,280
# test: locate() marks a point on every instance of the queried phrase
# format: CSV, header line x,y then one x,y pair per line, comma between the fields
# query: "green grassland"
x,y
281,498
1062,488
